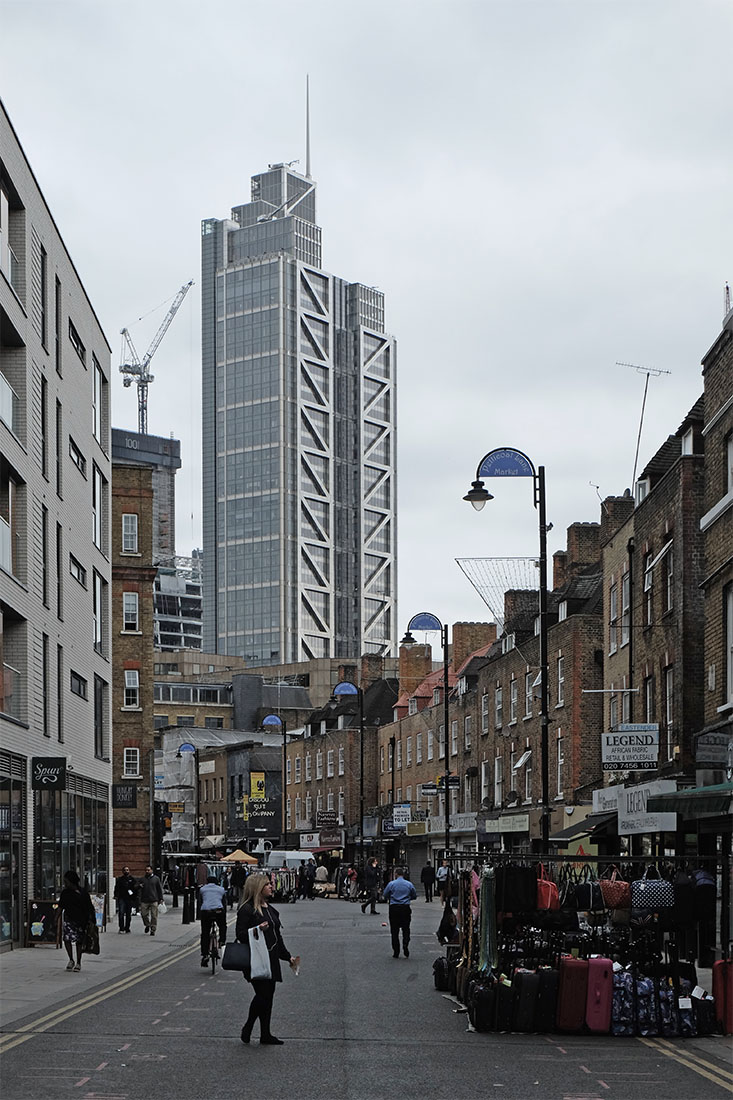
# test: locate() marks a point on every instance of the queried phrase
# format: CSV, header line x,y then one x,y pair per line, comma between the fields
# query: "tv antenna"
x,y
726,300
648,371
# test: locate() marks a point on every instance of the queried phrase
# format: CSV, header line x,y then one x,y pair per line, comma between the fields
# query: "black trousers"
x,y
208,916
261,1005
428,888
371,898
399,920
124,912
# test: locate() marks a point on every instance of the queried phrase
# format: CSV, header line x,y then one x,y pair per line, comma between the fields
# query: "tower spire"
x,y
307,127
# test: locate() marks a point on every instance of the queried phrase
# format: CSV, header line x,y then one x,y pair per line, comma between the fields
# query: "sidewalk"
x,y
33,979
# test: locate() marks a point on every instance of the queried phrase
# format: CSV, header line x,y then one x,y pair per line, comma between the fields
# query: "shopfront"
x,y
70,827
12,847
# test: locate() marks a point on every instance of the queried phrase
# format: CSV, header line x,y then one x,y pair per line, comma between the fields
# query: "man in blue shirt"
x,y
213,900
399,893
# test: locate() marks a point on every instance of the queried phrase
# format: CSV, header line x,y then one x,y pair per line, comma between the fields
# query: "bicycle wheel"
x,y
214,949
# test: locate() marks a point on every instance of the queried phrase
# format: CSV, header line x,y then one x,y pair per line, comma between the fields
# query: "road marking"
x,y
81,1082
696,1057
718,1077
102,1065
603,1084
14,1038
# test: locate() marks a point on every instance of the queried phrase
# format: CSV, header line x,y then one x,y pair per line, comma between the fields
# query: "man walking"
x,y
151,894
427,878
371,885
399,893
125,886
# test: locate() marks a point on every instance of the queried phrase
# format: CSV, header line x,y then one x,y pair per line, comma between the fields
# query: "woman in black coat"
x,y
256,912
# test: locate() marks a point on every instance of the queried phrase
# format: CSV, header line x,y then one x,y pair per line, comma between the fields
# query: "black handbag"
x,y
236,957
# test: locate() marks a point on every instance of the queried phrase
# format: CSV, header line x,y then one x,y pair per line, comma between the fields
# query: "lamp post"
x,y
425,620
509,462
271,721
184,748
346,688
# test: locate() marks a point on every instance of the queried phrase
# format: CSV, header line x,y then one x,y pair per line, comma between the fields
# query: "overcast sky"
x,y
540,190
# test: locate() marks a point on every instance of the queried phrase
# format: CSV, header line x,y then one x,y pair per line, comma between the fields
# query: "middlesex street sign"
x,y
632,746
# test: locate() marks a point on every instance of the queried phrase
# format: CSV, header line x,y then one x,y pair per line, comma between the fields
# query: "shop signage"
x,y
631,746
326,819
331,838
389,828
402,814
257,784
159,781
429,790
262,813
713,748
124,796
176,807
48,773
416,828
310,840
630,802
459,823
514,823
206,767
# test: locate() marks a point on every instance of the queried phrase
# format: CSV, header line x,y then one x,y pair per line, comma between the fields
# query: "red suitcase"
x,y
723,994
600,995
572,994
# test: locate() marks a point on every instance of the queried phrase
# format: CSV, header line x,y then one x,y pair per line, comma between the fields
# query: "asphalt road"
x,y
357,1025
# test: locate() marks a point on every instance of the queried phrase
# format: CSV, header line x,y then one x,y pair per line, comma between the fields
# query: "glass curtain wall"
x,y
12,831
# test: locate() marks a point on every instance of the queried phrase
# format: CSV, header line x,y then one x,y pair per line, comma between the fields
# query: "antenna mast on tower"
x,y
308,126
647,371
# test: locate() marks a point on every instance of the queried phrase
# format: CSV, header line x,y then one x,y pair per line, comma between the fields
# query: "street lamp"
x,y
268,722
345,688
185,748
509,462
425,620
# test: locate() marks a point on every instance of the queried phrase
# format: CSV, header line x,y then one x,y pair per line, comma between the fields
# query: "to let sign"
x,y
631,747
48,773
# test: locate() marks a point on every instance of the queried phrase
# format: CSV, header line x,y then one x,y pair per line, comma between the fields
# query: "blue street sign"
x,y
187,747
505,462
424,620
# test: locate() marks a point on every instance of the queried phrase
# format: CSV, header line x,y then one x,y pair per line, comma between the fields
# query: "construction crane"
x,y
132,368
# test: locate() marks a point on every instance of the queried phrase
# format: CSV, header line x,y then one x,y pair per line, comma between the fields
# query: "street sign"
x,y
389,828
632,746
402,814
176,807
454,781
428,790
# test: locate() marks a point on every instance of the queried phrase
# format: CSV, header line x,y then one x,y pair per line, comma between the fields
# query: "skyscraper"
x,y
299,489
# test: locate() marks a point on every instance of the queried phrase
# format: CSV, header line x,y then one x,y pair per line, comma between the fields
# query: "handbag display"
x,y
588,892
616,893
259,956
236,957
548,895
651,893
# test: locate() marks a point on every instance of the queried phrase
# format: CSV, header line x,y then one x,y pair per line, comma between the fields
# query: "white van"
x,y
280,857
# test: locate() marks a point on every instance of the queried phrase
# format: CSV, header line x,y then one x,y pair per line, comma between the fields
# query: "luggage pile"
x,y
514,974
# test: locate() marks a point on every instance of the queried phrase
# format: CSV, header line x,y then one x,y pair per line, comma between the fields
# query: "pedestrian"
x,y
239,877
257,912
174,882
76,911
427,878
124,895
353,882
151,894
321,873
310,878
371,885
442,876
213,908
399,893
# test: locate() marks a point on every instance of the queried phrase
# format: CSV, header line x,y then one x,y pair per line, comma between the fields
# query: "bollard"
x,y
187,907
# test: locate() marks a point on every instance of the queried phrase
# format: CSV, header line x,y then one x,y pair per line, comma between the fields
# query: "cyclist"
x,y
213,908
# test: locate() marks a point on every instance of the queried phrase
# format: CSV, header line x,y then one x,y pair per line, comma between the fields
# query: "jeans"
x,y
124,912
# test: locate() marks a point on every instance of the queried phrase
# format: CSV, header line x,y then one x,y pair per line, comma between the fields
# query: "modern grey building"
x,y
299,491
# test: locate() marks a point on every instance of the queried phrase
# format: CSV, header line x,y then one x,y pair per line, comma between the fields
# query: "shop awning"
x,y
213,841
694,802
592,825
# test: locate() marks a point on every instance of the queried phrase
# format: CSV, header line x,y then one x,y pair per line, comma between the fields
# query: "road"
x,y
357,1025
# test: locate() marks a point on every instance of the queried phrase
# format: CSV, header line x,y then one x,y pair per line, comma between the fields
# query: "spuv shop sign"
x,y
48,773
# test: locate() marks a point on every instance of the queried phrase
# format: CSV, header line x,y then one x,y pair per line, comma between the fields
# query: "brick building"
x,y
133,574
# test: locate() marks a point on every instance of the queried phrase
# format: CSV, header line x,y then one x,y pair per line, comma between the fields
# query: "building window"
x,y
507,643
319,802
562,611
341,808
412,705
467,794
99,403
130,611
613,618
485,713
319,765
648,590
454,738
78,684
625,703
76,342
129,533
59,692
298,810
44,555
214,723
408,751
498,780
381,760
668,580
59,448
431,744
329,764
560,681
185,720
528,695
467,731
288,818
77,457
668,685
390,755
560,762
59,572
441,743
132,688
649,708
498,707
99,508
398,794
297,769
44,425
308,772
160,721
342,763
399,754
288,771
513,695
613,708
418,749
625,608
99,601
728,653
77,570
485,779
131,763
100,711
330,801
436,696
528,780
309,808
45,685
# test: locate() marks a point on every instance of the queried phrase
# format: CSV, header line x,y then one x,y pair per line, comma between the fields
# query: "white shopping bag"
x,y
259,955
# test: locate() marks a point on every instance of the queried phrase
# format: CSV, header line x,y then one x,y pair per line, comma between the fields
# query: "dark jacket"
x,y
150,888
248,917
125,888
427,874
371,877
76,906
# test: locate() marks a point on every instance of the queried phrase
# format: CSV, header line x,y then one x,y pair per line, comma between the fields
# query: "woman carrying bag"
x,y
256,915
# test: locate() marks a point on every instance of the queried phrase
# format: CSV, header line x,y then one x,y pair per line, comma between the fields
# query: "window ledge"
x,y
132,710
137,776
130,554
513,722
131,632
725,707
559,706
527,717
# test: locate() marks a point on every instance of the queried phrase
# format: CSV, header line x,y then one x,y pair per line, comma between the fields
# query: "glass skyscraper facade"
x,y
298,407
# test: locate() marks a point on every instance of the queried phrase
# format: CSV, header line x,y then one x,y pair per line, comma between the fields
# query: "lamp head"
x,y
408,639
477,495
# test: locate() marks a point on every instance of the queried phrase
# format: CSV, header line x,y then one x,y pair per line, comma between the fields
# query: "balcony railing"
x,y
9,404
6,546
10,701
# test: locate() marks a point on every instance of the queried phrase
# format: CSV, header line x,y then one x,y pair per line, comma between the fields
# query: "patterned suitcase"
x,y
572,994
599,999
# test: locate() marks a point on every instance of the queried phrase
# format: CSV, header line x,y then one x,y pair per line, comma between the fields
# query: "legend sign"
x,y
632,746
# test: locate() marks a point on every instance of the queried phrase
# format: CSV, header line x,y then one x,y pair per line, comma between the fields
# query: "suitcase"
x,y
723,995
647,1014
704,1013
482,1005
440,974
546,1006
572,994
504,1006
600,995
622,1013
526,985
